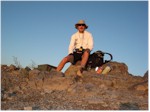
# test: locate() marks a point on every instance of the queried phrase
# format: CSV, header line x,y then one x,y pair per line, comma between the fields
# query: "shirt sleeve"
x,y
71,45
90,42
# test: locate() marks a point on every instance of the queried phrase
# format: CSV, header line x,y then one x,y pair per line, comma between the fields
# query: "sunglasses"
x,y
81,24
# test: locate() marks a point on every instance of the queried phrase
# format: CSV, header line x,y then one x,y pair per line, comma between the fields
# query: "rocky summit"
x,y
44,88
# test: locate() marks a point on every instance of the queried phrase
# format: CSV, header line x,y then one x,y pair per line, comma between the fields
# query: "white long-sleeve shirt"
x,y
81,39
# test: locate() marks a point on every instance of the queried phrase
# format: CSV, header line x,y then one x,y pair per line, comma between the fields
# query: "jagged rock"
x,y
72,70
118,69
146,76
35,79
50,90
56,84
27,108
54,73
4,67
45,67
142,86
24,73
12,67
27,68
33,74
129,106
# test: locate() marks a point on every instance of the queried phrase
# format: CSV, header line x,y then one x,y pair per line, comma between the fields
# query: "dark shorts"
x,y
77,57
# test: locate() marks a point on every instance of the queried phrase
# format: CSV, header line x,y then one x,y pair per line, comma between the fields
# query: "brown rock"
x,y
45,67
145,76
24,73
27,108
4,67
118,69
49,90
72,70
33,74
12,67
27,68
142,86
57,83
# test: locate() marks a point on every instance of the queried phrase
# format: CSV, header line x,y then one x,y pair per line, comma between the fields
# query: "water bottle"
x,y
99,70
107,69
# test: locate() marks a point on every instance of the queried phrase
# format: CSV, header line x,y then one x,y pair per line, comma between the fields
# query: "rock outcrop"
x,y
47,89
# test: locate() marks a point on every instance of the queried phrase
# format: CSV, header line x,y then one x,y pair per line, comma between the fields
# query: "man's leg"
x,y
65,60
85,57
84,60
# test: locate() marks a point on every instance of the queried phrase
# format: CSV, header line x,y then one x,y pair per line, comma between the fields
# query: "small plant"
x,y
32,65
16,62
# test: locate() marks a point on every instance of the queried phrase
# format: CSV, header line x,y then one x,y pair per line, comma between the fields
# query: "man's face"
x,y
81,27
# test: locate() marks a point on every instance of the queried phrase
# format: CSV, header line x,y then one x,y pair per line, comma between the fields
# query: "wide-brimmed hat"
x,y
81,22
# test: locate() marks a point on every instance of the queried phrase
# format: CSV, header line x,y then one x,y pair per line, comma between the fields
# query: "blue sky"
x,y
41,31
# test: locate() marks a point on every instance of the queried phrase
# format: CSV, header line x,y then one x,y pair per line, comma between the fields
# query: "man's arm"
x,y
72,45
90,42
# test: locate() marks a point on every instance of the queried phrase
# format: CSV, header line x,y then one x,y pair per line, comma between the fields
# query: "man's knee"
x,y
67,59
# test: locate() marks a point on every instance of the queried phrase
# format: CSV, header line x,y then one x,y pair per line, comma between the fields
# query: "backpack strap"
x,y
111,57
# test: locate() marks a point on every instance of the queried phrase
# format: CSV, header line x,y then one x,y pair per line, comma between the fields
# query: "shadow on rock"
x,y
129,106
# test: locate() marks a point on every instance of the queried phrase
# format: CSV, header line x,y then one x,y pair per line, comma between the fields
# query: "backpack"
x,y
97,59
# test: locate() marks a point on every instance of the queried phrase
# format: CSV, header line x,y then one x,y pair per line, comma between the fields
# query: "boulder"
x,y
33,74
118,69
27,68
47,89
4,67
45,67
28,108
142,86
24,73
146,76
129,106
12,67
72,70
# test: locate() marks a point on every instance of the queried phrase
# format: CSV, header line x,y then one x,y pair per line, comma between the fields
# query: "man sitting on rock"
x,y
79,49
